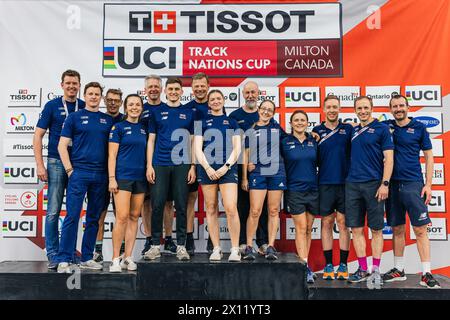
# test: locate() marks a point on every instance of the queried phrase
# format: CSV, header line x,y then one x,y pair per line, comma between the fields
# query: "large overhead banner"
x,y
298,52
300,40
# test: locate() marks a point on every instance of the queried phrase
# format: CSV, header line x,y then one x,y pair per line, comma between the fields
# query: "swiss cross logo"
x,y
164,21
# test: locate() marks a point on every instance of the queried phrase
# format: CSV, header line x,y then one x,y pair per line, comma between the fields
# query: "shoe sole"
x,y
423,284
251,258
183,259
342,278
328,278
271,257
147,258
395,279
91,268
357,281
115,270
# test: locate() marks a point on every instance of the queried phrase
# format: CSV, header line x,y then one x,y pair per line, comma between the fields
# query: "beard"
x,y
251,104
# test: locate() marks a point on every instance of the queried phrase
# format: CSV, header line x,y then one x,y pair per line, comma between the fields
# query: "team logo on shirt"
x,y
310,144
85,122
182,116
342,131
391,130
371,130
103,121
84,117
226,122
143,131
423,216
410,130
241,121
323,134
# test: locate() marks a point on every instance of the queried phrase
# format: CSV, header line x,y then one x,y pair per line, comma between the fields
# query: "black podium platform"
x,y
169,279
163,279
400,290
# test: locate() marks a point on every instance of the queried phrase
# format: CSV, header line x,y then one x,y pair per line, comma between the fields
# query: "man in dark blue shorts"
x,y
367,188
407,190
334,154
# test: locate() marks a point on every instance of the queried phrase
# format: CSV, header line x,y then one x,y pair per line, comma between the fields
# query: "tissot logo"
x,y
223,21
163,22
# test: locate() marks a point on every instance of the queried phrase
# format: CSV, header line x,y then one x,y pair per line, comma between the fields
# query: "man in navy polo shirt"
x,y
52,118
153,87
407,190
246,116
170,164
88,132
334,154
367,188
199,105
113,102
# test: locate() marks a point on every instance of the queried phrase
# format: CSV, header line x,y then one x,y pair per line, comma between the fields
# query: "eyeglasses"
x,y
116,101
268,110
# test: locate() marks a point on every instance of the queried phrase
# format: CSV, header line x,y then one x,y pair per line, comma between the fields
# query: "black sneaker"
x,y
358,276
429,281
271,253
249,254
170,246
209,246
190,245
394,275
52,265
147,245
98,256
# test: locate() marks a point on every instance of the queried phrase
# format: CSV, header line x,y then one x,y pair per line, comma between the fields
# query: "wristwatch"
x,y
386,183
228,165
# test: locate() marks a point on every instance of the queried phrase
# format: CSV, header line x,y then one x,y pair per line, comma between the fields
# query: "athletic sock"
x,y
190,235
98,246
399,263
328,256
363,263
426,267
343,256
376,264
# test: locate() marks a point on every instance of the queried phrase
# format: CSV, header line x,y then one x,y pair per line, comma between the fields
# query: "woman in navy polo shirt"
x,y
263,174
127,181
217,148
299,151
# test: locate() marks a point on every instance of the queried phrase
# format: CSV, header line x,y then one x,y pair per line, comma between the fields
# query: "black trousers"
x,y
262,235
175,179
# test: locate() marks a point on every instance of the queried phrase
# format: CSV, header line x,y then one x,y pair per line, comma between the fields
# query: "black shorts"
x,y
133,186
404,196
332,198
359,198
193,187
299,202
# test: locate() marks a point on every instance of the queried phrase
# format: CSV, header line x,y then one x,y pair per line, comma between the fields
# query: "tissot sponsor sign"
x,y
222,40
22,147
24,97
437,229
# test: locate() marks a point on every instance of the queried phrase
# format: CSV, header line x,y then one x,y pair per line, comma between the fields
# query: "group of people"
x,y
153,158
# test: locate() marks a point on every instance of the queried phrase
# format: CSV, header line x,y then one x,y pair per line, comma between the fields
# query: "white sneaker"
x,y
182,253
242,248
91,265
216,255
153,253
64,267
115,265
128,264
235,255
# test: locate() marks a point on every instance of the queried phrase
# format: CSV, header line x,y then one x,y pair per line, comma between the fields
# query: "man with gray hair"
x,y
246,116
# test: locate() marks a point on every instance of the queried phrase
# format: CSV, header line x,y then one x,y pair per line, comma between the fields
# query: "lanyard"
x,y
360,132
65,105
329,135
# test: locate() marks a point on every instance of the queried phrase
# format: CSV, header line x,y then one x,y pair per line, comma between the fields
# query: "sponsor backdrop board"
x,y
298,52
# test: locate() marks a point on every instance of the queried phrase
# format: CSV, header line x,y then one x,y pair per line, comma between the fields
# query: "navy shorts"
x,y
359,198
404,196
332,198
259,182
297,202
133,186
230,177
